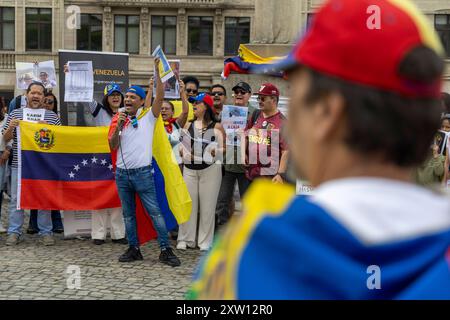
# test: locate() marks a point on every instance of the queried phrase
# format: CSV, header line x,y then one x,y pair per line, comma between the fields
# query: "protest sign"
x,y
164,68
28,72
234,120
107,68
79,82
33,115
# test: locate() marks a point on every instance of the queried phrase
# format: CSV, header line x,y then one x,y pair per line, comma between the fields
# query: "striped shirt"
x,y
50,117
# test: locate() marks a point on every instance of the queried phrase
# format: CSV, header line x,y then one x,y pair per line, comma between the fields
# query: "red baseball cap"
x,y
365,41
268,89
205,98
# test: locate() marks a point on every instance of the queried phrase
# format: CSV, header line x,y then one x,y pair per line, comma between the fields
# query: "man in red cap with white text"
x,y
266,152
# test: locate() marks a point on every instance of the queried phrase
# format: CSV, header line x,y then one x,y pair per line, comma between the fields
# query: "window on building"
x,y
7,29
200,35
442,25
237,31
39,29
126,34
89,36
164,33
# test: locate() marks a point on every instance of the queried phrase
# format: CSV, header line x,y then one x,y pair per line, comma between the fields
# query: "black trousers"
x,y
226,193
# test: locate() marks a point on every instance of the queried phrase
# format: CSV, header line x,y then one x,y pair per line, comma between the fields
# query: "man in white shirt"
x,y
133,140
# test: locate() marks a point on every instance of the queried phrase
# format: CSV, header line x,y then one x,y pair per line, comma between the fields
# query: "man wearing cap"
x,y
364,110
266,149
131,136
234,167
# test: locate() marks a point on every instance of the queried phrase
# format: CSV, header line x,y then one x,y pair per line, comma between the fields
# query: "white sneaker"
x,y
2,230
181,245
205,248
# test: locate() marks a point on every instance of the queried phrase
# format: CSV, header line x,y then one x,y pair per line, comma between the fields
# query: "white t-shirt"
x,y
136,144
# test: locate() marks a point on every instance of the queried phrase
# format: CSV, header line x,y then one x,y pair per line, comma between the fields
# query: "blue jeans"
x,y
16,217
56,220
2,182
140,181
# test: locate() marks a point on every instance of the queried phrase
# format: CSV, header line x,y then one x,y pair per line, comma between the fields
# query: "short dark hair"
x,y
192,79
219,86
36,83
446,100
398,128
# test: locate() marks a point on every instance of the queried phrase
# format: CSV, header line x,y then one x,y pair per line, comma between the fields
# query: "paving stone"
x,y
33,271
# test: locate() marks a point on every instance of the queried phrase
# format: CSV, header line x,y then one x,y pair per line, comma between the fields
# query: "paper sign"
x,y
79,82
304,188
165,70
234,120
28,72
33,115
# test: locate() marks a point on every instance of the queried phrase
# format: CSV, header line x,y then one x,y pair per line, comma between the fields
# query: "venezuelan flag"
x,y
65,168
248,62
171,190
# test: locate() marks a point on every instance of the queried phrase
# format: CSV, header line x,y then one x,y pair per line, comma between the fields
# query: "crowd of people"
x,y
360,132
199,146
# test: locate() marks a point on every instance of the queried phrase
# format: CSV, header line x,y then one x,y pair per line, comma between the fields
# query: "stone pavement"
x,y
33,271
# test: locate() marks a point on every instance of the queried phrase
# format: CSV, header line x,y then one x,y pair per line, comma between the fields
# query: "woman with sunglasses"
x,y
192,85
202,145
50,103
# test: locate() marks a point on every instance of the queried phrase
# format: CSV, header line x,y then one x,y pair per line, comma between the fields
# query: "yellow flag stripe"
x,y
251,57
220,272
86,139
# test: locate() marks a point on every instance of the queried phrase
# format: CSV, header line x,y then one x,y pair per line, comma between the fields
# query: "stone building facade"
x,y
271,26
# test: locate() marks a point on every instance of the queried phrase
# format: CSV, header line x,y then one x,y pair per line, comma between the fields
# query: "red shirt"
x,y
265,145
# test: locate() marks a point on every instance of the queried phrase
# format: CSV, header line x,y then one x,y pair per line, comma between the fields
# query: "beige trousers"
x,y
100,220
203,186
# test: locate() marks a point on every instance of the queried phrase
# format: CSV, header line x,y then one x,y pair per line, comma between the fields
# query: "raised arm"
x,y
182,119
148,98
159,97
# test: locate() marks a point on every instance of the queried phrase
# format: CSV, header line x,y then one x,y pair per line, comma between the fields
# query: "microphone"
x,y
122,124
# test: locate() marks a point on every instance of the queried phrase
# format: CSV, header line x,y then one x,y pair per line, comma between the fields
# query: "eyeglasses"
x,y
220,94
49,101
237,92
194,91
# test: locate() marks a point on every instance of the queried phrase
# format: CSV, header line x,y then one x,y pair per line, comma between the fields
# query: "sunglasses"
x,y
220,94
241,92
192,91
49,101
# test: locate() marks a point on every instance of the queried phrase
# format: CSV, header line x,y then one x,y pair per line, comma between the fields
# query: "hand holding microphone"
x,y
121,121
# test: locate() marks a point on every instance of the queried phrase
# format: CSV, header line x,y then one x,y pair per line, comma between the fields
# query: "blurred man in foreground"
x,y
364,109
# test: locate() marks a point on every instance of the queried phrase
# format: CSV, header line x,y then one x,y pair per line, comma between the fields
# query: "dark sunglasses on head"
x,y
192,91
220,94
